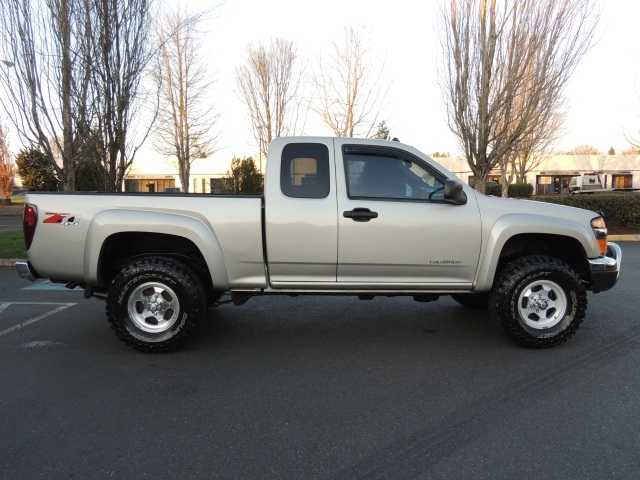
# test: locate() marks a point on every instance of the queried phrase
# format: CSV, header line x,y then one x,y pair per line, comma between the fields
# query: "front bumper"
x,y
605,271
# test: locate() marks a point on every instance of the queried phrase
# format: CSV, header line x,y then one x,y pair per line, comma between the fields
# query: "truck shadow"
x,y
344,322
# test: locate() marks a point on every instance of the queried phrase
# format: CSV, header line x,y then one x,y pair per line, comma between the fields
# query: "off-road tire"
x,y
472,300
175,286
514,294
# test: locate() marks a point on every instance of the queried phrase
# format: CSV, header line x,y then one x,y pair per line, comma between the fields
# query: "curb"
x,y
624,238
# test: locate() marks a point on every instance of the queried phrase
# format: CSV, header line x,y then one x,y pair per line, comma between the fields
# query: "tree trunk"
x,y
504,183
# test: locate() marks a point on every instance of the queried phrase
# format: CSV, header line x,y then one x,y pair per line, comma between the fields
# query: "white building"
x,y
552,176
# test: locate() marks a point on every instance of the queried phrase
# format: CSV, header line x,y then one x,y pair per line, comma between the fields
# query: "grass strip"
x,y
12,244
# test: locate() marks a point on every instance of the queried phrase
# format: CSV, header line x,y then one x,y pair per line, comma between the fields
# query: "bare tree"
x,y
531,151
75,72
269,83
496,53
121,32
45,82
536,144
349,88
632,149
585,150
537,147
186,118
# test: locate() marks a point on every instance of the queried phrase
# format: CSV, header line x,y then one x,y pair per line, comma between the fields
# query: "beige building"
x,y
552,176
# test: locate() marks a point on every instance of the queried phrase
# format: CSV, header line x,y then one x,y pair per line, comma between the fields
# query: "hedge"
x,y
620,210
493,189
516,190
520,190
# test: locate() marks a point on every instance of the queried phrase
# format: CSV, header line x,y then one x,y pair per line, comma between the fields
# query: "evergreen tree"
x,y
383,132
243,177
36,172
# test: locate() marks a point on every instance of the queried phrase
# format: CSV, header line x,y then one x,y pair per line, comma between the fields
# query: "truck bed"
x,y
72,225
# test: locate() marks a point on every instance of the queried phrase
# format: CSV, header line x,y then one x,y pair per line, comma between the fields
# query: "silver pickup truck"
x,y
338,216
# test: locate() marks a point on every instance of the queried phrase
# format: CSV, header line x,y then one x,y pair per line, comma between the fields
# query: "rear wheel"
x,y
539,301
154,304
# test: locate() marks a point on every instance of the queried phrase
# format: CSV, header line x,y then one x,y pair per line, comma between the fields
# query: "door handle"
x,y
360,214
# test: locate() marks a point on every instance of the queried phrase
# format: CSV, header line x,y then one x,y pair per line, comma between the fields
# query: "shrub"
x,y
520,190
516,190
620,210
493,189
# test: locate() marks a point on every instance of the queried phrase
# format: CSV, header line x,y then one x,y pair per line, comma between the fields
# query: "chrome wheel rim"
x,y
542,304
153,307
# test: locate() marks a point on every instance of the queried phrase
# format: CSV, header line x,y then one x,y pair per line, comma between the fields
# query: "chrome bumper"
x,y
26,271
605,271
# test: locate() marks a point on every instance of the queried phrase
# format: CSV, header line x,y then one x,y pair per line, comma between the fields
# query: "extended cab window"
x,y
304,170
389,176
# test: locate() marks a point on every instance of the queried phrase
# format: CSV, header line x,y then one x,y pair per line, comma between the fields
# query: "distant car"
x,y
171,190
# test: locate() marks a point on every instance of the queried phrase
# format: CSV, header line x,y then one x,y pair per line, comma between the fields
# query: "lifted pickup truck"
x,y
338,216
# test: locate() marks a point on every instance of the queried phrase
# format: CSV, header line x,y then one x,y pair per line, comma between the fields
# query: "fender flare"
x,y
114,221
510,225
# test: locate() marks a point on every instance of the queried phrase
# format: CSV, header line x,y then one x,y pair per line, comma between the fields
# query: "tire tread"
x,y
183,275
507,281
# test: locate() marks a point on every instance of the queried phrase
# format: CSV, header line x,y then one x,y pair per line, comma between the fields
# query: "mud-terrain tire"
x,y
471,300
154,304
539,301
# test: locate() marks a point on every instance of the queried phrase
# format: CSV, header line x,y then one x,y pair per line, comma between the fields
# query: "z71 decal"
x,y
66,219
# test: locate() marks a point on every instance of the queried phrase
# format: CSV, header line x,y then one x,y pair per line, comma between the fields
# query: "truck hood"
x,y
503,218
497,207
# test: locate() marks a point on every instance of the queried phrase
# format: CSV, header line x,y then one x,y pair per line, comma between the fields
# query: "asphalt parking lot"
x,y
314,387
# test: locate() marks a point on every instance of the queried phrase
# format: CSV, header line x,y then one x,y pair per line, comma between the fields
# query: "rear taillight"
x,y
600,229
29,223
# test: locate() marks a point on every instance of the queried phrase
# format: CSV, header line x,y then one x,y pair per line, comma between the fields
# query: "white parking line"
x,y
5,305
49,285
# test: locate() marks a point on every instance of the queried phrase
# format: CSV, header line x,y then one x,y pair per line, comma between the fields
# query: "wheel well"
x,y
121,248
566,249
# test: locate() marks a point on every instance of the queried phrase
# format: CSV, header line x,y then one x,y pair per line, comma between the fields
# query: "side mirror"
x,y
454,192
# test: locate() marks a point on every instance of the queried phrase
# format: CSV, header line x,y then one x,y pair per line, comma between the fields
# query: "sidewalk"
x,y
13,210
624,238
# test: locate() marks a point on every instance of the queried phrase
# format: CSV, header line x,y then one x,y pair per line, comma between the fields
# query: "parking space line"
x,y
3,306
49,285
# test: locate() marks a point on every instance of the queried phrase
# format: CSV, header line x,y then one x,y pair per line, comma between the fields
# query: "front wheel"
x,y
153,304
539,301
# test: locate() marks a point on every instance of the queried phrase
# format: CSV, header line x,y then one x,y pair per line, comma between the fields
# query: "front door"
x,y
394,226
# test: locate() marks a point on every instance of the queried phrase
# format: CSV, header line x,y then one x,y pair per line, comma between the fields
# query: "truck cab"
x,y
344,213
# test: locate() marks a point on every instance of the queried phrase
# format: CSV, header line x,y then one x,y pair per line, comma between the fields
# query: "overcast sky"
x,y
603,94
